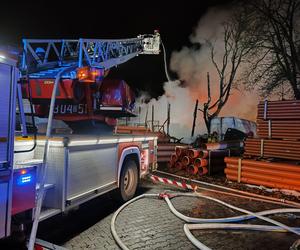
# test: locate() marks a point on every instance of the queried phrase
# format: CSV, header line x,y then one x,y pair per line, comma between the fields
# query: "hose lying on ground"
x,y
257,215
209,226
228,219
279,226
113,220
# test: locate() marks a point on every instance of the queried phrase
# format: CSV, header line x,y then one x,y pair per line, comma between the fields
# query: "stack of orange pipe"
x,y
177,157
191,159
269,174
278,125
279,110
199,161
285,149
279,119
165,151
278,129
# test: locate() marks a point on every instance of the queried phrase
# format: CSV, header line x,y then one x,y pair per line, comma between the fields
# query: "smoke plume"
x,y
191,65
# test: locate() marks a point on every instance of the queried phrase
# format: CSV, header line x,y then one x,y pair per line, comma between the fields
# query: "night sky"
x,y
108,19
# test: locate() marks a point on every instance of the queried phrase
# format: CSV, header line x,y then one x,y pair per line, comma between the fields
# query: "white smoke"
x,y
181,111
192,64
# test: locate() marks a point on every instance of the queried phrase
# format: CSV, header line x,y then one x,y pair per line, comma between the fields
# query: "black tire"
x,y
129,180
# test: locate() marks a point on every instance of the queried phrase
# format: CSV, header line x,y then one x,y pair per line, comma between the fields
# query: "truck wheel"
x,y
128,180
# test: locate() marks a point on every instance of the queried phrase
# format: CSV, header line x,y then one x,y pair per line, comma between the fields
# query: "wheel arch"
x,y
131,153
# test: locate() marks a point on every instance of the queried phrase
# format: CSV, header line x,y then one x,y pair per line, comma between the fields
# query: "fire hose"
x,y
209,226
207,222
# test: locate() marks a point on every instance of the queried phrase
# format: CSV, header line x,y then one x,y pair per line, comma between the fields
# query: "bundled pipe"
x,y
192,169
212,160
181,150
202,171
261,164
293,183
217,154
275,175
186,161
263,171
179,165
279,110
194,153
265,183
279,129
199,162
195,159
174,158
165,152
273,148
203,154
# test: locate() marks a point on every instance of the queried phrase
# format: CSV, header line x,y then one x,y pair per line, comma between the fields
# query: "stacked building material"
x,y
277,129
135,130
279,110
279,120
269,174
202,161
189,159
283,149
278,125
165,150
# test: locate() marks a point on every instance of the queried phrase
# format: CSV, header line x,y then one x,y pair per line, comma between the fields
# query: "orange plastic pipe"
x,y
186,160
181,150
199,162
292,175
203,154
192,169
275,165
193,153
202,171
178,165
264,183
263,177
174,158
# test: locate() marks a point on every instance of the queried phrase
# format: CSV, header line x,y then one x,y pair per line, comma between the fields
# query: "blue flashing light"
x,y
24,179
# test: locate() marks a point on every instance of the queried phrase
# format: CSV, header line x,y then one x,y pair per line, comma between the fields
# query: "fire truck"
x,y
44,174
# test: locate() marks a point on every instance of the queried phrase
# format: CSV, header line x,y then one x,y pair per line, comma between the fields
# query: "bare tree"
x,y
233,56
275,30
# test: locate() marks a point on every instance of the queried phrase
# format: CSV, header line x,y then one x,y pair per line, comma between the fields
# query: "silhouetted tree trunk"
x,y
275,30
234,53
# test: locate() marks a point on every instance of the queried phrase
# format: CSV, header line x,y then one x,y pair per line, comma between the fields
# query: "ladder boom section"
x,y
102,53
